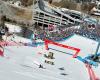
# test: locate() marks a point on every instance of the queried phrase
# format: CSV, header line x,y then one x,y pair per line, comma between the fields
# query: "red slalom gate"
x,y
62,45
91,72
88,66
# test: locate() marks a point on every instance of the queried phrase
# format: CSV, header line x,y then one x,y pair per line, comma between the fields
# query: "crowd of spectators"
x,y
61,33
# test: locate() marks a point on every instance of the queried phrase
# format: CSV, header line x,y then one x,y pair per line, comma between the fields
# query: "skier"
x,y
39,64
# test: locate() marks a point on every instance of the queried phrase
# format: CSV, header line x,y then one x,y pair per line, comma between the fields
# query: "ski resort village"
x,y
49,39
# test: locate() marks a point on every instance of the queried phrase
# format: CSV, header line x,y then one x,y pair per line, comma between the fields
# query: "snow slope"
x,y
22,62
18,64
87,46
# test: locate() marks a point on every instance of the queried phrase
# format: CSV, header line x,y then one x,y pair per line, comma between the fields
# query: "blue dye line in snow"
x,y
84,60
34,44
89,56
87,60
61,51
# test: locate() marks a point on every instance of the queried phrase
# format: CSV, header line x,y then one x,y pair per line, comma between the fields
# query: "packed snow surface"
x,y
22,62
